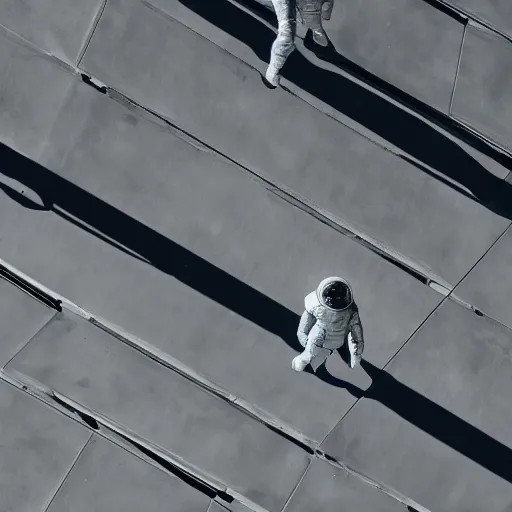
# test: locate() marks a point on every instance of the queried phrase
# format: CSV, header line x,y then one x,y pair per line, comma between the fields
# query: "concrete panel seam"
x,y
297,486
92,30
49,321
459,60
50,501
393,493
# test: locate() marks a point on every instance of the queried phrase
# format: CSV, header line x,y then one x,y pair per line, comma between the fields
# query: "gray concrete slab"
x,y
451,386
488,285
60,27
100,372
483,96
498,13
37,449
229,262
21,317
106,477
31,93
408,43
330,489
354,179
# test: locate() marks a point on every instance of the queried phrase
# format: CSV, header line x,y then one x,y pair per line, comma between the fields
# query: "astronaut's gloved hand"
x,y
327,9
311,14
354,360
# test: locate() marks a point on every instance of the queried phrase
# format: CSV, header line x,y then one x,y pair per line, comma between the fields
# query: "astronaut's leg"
x,y
284,44
312,13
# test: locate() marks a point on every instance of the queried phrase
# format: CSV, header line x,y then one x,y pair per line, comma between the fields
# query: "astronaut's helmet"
x,y
335,293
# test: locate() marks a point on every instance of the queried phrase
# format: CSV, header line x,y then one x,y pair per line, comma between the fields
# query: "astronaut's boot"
x,y
300,362
282,47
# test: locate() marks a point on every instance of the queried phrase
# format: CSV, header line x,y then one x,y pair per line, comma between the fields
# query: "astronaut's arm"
x,y
307,320
356,339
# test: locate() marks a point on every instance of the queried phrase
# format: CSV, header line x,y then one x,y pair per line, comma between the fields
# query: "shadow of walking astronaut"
x,y
330,322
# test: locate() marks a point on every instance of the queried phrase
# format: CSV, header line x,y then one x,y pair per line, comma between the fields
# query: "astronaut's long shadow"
x,y
414,137
114,227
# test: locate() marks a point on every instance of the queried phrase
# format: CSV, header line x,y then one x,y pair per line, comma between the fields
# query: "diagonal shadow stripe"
x,y
115,227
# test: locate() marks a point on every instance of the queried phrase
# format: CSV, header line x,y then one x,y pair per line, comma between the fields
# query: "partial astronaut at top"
x,y
330,320
311,13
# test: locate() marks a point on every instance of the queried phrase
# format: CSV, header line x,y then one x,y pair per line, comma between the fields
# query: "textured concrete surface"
x,y
20,317
146,227
106,477
483,96
488,285
328,488
100,372
353,178
202,296
37,449
408,43
451,385
60,27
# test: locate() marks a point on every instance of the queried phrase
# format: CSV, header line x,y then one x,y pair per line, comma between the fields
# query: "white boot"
x,y
299,363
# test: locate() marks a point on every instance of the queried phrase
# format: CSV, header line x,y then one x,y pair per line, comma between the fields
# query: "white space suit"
x,y
311,13
322,329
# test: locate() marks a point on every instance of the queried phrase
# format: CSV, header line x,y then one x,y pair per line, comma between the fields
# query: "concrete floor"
x,y
182,211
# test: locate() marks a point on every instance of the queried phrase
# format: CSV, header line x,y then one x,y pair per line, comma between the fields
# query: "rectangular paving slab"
x,y
317,157
38,446
100,372
408,43
488,285
60,27
21,316
435,424
331,489
108,478
187,252
32,89
483,96
498,13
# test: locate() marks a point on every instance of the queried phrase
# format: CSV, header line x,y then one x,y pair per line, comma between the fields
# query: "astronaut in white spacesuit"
x,y
310,13
330,320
